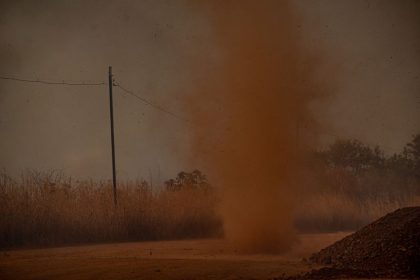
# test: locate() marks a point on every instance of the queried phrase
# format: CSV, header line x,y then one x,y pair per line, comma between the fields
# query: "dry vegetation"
x,y
340,206
350,184
49,208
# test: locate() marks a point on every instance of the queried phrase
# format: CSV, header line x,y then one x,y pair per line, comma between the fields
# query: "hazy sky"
x,y
369,52
373,47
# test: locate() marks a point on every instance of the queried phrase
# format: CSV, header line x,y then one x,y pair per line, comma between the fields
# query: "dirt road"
x,y
190,259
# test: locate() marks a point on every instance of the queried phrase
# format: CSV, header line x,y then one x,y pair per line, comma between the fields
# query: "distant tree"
x,y
407,163
353,155
170,184
413,153
193,180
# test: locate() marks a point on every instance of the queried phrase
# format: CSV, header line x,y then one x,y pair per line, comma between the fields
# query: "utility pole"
x,y
111,111
297,134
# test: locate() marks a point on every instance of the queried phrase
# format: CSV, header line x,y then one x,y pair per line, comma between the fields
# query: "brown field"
x,y
188,259
48,210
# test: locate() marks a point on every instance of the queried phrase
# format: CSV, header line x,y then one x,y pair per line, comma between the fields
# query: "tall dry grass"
x,y
335,199
51,209
48,208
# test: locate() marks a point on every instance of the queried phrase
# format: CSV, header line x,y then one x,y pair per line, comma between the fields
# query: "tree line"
x,y
358,158
350,156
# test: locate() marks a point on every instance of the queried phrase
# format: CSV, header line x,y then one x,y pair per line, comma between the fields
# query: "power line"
x,y
145,101
67,83
52,82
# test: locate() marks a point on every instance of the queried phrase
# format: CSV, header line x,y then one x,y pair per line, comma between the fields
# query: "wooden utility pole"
x,y
111,111
297,135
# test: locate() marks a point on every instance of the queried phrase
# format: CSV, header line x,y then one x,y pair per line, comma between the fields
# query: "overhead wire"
x,y
83,83
67,83
147,102
130,92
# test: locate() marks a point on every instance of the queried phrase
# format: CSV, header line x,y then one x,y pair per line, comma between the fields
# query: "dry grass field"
x,y
50,209
54,228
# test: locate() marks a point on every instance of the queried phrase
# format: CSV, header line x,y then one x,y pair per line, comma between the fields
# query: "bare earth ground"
x,y
187,259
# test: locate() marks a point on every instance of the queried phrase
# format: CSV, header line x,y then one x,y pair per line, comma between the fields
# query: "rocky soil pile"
x,y
388,247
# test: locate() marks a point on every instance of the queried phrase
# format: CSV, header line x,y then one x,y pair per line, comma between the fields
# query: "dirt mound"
x,y
332,273
388,247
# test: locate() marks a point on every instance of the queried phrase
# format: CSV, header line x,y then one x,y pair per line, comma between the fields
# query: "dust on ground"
x,y
188,259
